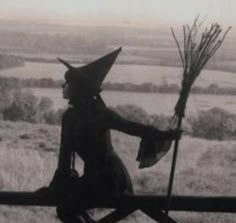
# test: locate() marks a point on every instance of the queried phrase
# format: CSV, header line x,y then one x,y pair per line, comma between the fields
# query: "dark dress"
x,y
86,131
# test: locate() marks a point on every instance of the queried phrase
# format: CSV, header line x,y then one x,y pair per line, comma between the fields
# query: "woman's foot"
x,y
73,219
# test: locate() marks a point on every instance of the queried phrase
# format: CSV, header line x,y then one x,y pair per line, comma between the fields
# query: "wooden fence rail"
x,y
178,203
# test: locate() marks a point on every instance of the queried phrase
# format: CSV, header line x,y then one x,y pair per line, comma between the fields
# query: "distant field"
x,y
121,73
152,103
137,74
28,158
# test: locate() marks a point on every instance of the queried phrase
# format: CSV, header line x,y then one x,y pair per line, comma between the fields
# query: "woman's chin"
x,y
65,97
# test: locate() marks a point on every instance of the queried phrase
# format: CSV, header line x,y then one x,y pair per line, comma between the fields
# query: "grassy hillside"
x,y
28,157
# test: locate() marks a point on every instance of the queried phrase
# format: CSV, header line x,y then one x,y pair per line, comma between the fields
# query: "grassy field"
x,y
28,157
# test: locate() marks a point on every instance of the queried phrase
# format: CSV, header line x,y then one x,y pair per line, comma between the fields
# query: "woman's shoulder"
x,y
107,115
104,110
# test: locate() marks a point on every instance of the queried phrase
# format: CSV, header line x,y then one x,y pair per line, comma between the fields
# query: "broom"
x,y
194,55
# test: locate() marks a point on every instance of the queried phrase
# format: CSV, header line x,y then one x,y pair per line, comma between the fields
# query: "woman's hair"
x,y
82,91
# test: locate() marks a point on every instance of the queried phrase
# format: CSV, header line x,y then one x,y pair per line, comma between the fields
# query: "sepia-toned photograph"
x,y
117,111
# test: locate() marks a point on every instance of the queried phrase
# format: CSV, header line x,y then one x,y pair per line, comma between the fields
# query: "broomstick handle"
x,y
172,173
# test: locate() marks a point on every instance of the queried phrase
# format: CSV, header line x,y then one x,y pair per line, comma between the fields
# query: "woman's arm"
x,y
117,122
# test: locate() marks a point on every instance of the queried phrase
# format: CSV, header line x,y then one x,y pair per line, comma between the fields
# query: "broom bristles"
x,y
195,54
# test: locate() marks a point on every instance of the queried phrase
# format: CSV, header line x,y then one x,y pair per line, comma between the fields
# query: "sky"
x,y
120,12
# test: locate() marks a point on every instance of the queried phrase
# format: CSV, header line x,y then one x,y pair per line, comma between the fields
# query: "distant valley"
x,y
80,44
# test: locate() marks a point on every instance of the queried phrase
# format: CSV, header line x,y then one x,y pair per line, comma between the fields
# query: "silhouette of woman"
x,y
86,128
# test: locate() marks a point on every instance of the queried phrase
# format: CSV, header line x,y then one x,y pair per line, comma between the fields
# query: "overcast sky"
x,y
120,12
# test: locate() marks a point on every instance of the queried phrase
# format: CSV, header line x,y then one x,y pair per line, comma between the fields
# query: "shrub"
x,y
212,124
27,107
54,117
45,106
215,123
23,107
160,121
5,94
133,113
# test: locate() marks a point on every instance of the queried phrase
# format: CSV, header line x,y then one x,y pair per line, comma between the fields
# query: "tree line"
x,y
147,87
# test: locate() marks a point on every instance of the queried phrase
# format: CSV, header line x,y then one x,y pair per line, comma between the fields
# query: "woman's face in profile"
x,y
65,90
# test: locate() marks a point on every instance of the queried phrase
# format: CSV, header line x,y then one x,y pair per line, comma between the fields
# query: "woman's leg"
x,y
72,207
69,212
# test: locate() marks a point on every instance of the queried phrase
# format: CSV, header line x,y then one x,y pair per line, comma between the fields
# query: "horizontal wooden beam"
x,y
178,203
25,199
185,203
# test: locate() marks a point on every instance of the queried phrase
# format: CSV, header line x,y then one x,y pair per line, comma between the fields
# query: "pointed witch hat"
x,y
93,73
